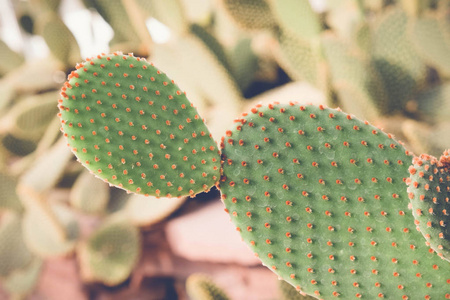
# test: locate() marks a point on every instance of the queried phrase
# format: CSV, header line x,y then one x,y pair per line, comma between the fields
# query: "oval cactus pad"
x,y
321,198
129,124
429,191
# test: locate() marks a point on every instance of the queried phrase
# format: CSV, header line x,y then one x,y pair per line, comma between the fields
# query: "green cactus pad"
x,y
131,125
14,254
110,253
431,37
201,287
359,88
145,211
320,197
298,58
22,281
250,15
9,59
288,292
396,59
298,17
429,190
89,196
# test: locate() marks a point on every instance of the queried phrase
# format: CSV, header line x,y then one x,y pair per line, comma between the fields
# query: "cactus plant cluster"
x,y
317,194
332,204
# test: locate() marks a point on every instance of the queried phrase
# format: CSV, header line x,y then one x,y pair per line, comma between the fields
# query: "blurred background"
x,y
66,235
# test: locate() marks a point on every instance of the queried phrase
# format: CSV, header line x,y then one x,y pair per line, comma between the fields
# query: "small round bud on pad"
x,y
429,193
320,197
129,124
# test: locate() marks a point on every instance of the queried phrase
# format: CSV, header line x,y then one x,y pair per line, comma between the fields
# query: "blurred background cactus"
x,y
383,60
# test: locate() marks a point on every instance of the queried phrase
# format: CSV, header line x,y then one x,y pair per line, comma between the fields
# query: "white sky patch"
x,y
9,29
92,33
160,33
319,6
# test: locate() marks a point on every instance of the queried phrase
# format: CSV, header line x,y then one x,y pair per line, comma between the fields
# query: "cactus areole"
x,y
132,126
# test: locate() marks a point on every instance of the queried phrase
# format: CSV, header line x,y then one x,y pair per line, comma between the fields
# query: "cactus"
x,y
171,13
60,40
145,211
110,253
395,58
8,196
114,13
288,292
89,196
9,59
433,105
424,138
428,189
431,37
244,62
31,116
212,44
22,281
14,254
320,197
250,15
52,237
201,287
16,146
297,57
156,139
298,17
51,163
359,88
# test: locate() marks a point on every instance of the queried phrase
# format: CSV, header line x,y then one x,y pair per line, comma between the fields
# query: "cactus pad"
x,y
201,287
132,126
429,190
320,197
110,253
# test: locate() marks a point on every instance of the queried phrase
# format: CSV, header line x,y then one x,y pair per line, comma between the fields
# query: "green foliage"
x,y
298,17
385,61
145,211
110,253
31,116
288,292
57,232
356,82
201,287
9,60
431,36
22,281
298,58
395,58
114,13
428,191
433,105
13,252
250,15
89,195
155,132
8,196
324,193
60,40
169,12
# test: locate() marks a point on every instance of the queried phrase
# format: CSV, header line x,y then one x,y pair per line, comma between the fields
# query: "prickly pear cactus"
x,y
429,190
132,126
201,287
320,197
288,292
250,15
